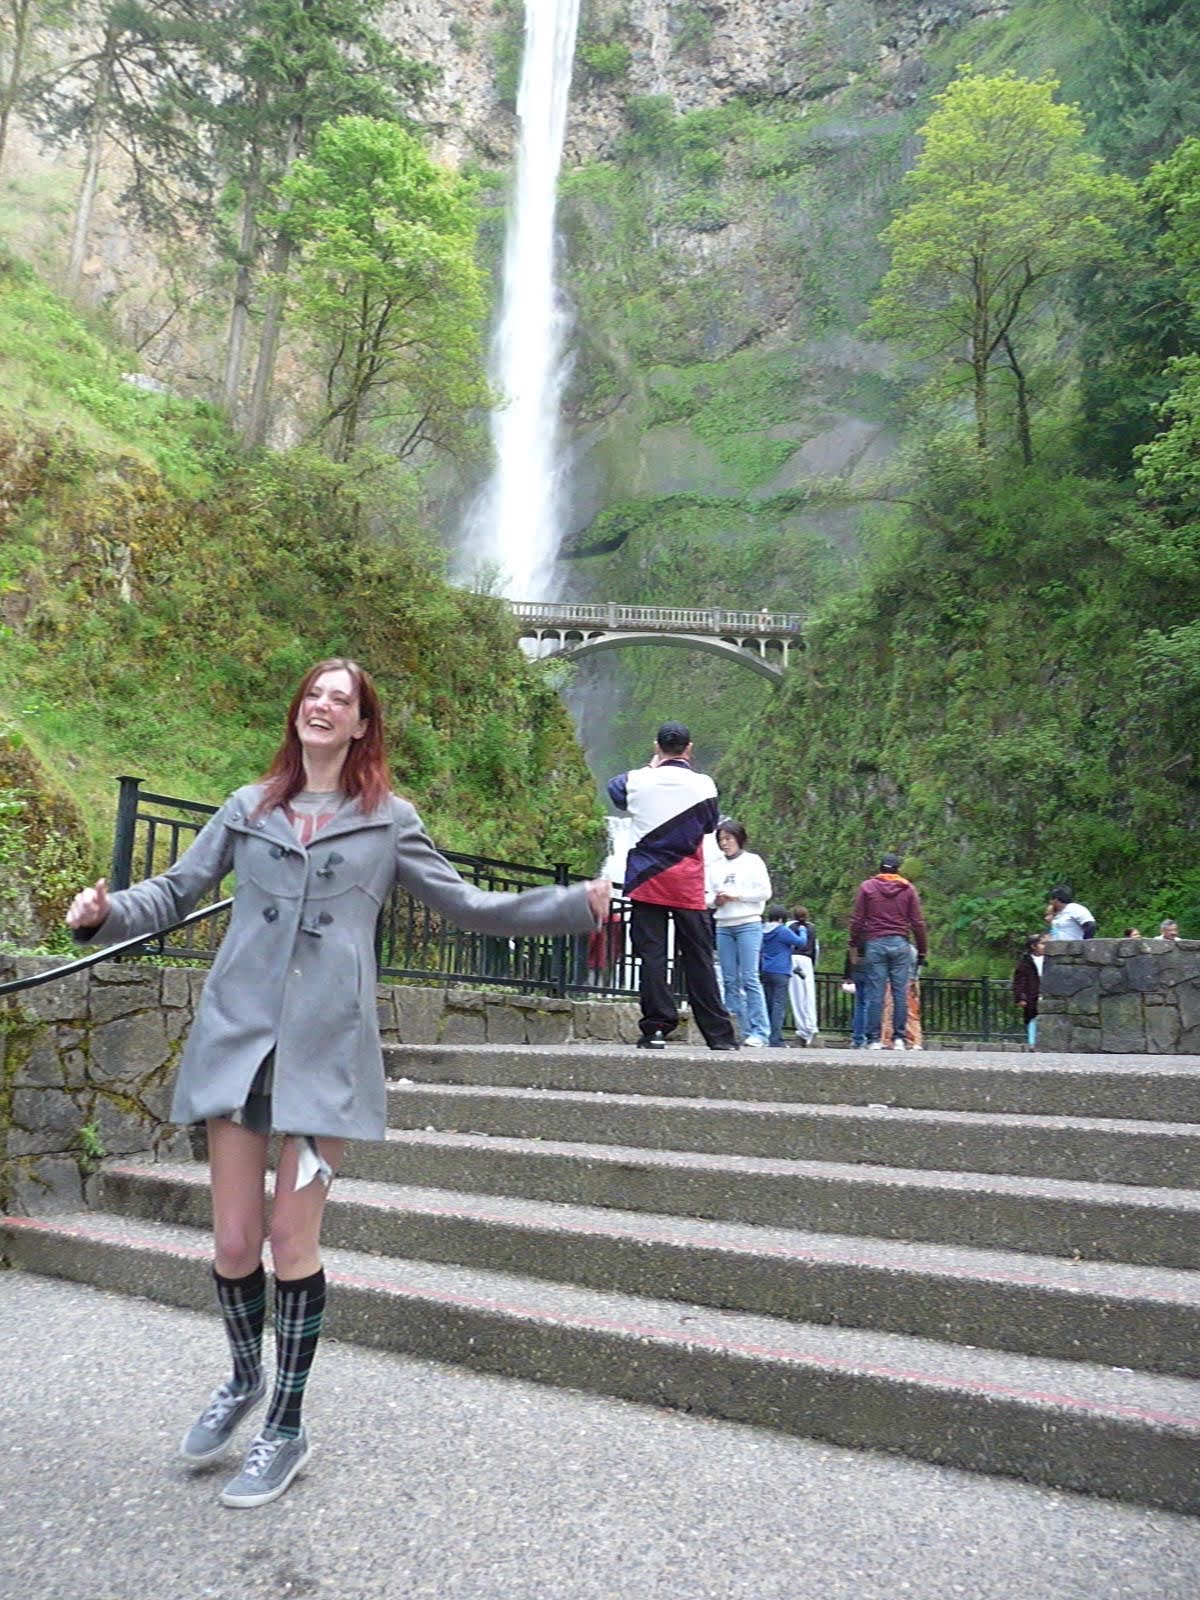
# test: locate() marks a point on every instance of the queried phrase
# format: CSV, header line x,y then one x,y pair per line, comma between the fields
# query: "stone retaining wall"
x,y
87,1063
1121,996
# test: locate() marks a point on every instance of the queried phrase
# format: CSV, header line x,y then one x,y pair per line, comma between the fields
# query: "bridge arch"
x,y
573,646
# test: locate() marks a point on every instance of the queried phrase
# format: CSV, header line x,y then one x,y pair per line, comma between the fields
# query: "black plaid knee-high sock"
x,y
243,1303
299,1307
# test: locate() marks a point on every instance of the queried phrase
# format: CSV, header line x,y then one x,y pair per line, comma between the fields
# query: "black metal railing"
x,y
416,943
951,1008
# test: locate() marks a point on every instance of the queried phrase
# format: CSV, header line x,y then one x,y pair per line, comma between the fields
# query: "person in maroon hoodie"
x,y
886,911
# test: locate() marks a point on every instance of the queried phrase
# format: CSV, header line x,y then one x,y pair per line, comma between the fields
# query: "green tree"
x,y
1168,472
1006,200
388,281
23,24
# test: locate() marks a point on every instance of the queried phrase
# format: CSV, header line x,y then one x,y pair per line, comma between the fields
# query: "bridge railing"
x,y
684,619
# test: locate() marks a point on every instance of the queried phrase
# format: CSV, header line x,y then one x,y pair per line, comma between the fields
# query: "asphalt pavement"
x,y
430,1481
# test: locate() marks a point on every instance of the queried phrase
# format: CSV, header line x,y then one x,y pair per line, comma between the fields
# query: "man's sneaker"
x,y
753,1042
209,1436
897,1044
652,1041
875,1044
269,1468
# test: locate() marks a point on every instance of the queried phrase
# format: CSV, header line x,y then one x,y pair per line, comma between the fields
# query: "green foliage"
x,y
387,285
1006,198
608,61
58,368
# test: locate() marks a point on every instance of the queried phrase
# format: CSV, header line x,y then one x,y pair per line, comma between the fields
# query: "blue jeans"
x,y
739,949
775,987
888,960
858,1019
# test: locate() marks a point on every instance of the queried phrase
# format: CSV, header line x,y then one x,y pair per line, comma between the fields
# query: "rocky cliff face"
x,y
696,53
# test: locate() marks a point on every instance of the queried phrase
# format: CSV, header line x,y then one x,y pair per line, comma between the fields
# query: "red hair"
x,y
365,775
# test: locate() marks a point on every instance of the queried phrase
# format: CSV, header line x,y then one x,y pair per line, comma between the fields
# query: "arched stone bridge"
x,y
760,640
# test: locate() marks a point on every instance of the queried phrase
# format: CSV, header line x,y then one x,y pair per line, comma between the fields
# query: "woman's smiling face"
x,y
728,844
328,718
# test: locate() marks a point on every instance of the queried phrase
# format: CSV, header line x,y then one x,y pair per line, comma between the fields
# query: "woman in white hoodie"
x,y
739,887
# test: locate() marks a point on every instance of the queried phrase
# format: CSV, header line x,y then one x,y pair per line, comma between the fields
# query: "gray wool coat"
x,y
296,970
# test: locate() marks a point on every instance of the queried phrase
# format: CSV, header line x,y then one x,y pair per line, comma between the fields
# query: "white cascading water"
x,y
514,531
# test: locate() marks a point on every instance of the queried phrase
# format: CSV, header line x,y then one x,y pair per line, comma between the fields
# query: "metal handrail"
x,y
110,951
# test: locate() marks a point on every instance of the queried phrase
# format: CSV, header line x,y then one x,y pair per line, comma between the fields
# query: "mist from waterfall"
x,y
515,527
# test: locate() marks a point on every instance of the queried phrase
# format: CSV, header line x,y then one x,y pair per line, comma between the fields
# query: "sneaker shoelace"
x,y
260,1456
221,1403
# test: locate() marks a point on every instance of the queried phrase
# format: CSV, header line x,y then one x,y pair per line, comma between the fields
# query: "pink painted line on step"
x,y
779,1252
738,1348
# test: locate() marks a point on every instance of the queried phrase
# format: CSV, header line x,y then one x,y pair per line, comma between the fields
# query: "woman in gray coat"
x,y
286,1038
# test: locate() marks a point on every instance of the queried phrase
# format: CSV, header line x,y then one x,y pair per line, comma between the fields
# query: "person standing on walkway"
x,y
1066,918
802,991
739,887
912,1035
886,910
1027,984
780,944
671,807
286,1039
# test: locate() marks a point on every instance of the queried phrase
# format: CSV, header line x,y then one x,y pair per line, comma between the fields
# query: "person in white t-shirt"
x,y
1068,919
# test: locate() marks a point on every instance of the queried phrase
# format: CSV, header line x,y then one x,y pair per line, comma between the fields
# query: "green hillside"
x,y
162,591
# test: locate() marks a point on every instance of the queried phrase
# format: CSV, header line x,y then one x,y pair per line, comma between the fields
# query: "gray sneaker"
x,y
209,1436
270,1466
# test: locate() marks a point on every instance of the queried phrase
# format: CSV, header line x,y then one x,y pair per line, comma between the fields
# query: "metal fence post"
x,y
985,1008
121,872
562,942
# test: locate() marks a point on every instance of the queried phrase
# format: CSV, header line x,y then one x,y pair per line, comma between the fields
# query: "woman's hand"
x,y
599,898
90,907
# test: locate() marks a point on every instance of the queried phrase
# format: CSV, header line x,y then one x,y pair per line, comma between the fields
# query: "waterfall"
x,y
515,527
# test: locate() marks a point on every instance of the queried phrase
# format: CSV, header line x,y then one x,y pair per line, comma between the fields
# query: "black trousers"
x,y
694,949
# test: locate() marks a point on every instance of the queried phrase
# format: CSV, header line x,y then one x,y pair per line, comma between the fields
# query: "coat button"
x,y
325,918
270,913
334,860
277,850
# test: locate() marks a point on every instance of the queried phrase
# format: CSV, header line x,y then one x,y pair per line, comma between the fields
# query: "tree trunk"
x,y
97,127
268,343
1024,436
8,95
239,316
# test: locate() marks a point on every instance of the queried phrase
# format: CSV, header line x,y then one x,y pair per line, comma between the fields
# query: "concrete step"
x,y
1147,1088
1110,1150
1072,1424
1139,1317
1046,1216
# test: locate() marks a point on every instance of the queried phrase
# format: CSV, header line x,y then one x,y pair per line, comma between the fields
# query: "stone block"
x,y
551,1025
39,1063
177,987
1189,1042
1122,1024
64,1000
129,1048
462,1027
1162,1028
1112,980
504,1024
385,1013
419,1014
45,1120
41,1187
1143,974
1098,952
1054,1031
123,1125
1062,978
1080,1041
1187,997
112,1000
